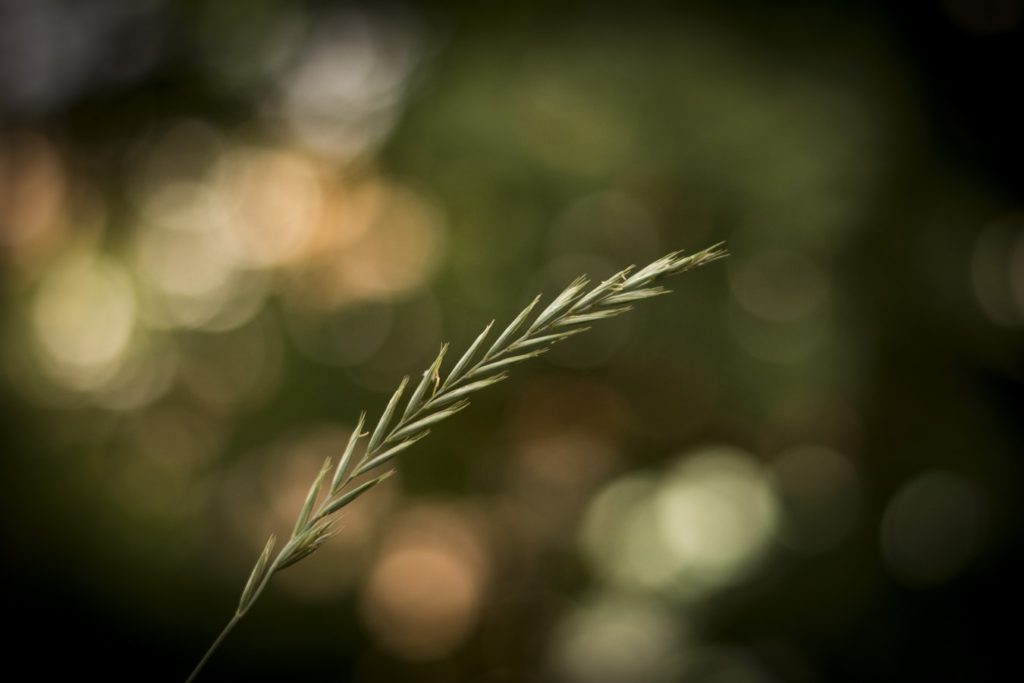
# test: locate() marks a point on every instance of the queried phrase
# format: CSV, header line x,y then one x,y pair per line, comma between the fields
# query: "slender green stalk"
x,y
209,653
435,399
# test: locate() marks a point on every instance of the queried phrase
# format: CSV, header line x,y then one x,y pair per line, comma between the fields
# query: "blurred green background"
x,y
228,227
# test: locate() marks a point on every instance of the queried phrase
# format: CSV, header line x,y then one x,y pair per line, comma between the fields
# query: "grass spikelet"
x,y
432,401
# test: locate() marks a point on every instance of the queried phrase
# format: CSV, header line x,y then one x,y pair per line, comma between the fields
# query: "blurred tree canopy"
x,y
228,227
